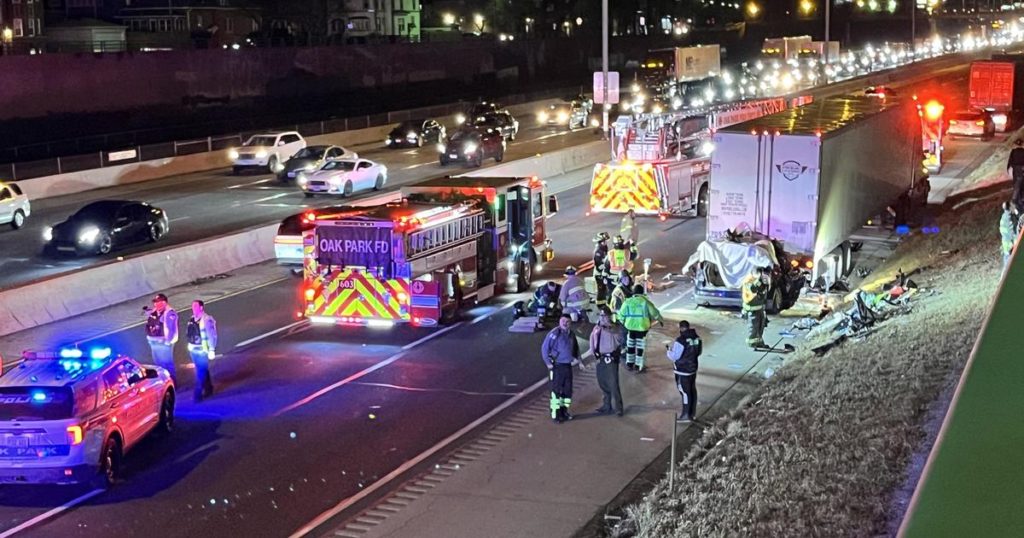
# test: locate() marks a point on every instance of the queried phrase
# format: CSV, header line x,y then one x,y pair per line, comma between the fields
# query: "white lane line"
x,y
423,389
411,167
50,514
269,198
257,182
364,372
209,445
221,298
670,303
269,334
181,218
486,315
345,504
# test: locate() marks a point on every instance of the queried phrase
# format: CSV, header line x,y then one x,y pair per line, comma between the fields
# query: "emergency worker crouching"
x,y
543,303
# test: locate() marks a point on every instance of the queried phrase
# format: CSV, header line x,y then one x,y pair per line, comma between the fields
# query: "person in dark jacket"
x,y
684,353
561,351
1015,169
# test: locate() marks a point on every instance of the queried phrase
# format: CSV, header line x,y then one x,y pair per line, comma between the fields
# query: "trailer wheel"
x,y
846,258
703,201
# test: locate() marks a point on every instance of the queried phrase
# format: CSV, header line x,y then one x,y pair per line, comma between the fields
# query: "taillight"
x,y
309,294
794,263
74,435
809,264
402,297
979,123
952,122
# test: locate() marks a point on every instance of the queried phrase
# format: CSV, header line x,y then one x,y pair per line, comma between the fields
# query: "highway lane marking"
x,y
51,513
269,334
423,389
410,167
486,315
684,294
441,445
209,445
186,217
269,198
143,322
257,182
365,371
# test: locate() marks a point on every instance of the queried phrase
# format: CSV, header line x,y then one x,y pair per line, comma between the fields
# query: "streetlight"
x,y
753,9
478,19
807,7
448,19
8,36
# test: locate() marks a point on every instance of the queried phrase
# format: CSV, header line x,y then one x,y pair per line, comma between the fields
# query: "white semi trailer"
x,y
811,176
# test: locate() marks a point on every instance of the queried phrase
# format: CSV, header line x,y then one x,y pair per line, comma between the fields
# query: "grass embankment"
x,y
822,447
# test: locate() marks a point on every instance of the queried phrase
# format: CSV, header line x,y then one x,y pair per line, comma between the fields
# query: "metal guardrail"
x,y
104,150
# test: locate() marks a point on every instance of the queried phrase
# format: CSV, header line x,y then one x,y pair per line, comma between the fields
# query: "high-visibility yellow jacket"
x,y
618,261
638,313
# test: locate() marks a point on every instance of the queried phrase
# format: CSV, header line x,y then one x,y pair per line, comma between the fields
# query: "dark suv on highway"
x,y
501,121
473,146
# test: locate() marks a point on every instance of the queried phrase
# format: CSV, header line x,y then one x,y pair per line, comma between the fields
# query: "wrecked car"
x,y
719,267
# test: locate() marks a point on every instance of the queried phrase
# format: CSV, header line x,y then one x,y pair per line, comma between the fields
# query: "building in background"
x,y
369,20
157,24
21,25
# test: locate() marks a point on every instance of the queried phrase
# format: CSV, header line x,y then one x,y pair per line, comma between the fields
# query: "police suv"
x,y
69,417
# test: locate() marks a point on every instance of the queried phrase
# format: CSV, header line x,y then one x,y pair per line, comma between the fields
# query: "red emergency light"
x,y
933,110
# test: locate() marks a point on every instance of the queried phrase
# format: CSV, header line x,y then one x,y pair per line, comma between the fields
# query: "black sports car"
x,y
472,146
310,158
102,226
415,133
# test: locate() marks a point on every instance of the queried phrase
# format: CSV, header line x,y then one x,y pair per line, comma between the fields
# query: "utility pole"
x,y
604,67
828,24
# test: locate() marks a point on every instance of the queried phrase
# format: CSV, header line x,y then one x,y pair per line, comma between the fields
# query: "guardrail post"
x,y
209,143
672,456
322,127
58,166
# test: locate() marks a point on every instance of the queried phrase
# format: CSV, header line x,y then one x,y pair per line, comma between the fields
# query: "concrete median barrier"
x,y
117,281
111,176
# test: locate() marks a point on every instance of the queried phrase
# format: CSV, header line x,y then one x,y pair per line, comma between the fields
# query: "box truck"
x,y
680,64
812,176
997,86
824,51
784,48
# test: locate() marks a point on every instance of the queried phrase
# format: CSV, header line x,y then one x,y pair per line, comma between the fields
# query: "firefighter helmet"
x,y
601,237
571,270
619,242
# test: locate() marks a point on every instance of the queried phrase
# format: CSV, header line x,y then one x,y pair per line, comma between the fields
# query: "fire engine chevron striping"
x,y
618,189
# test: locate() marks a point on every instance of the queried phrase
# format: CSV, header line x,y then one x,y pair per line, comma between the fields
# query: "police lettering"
x,y
354,245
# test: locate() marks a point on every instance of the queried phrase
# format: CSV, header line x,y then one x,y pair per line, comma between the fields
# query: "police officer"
x,y
601,270
574,296
560,351
162,333
201,332
755,295
628,229
637,315
1015,169
684,353
1006,234
618,257
606,344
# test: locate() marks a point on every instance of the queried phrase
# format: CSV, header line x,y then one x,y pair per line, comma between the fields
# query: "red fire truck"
x,y
447,243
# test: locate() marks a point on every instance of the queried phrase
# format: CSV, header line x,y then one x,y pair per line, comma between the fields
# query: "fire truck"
x,y
448,242
663,161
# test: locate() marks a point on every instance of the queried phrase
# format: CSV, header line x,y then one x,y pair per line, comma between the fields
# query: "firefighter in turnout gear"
x,y
574,296
202,344
637,315
620,258
561,351
601,271
629,230
755,295
623,290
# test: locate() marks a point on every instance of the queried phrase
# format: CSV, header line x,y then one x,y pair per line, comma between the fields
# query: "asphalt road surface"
x,y
310,415
207,204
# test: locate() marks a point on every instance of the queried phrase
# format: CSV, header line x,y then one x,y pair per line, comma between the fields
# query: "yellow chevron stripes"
x,y
618,188
355,294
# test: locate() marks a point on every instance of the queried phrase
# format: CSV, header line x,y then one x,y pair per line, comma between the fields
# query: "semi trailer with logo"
x,y
810,177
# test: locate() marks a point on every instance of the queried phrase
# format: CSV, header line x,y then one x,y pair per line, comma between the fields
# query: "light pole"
x,y
828,24
604,68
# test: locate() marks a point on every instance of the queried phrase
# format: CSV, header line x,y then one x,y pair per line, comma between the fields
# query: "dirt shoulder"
x,y
826,448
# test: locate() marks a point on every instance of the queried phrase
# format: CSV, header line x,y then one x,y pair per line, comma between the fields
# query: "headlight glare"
x,y
48,234
88,235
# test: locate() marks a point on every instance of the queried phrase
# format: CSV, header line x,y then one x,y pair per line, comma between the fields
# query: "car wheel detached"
x,y
19,220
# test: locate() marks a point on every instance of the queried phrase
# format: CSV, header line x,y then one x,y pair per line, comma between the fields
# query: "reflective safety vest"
x,y
754,293
638,313
618,260
629,230
574,294
618,297
1006,232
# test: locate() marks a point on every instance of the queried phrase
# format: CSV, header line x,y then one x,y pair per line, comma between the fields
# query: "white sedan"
x,y
343,176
